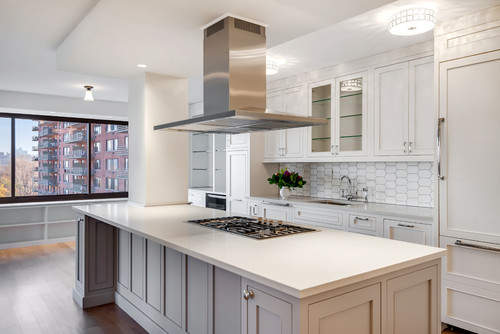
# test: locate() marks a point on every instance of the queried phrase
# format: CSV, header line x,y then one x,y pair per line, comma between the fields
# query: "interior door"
x,y
470,158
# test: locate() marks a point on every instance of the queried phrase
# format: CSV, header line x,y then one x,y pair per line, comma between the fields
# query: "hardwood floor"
x,y
35,295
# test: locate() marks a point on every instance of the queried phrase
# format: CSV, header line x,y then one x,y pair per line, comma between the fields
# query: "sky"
x,y
23,134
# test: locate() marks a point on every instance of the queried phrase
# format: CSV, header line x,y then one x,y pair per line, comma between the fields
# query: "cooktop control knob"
x,y
259,219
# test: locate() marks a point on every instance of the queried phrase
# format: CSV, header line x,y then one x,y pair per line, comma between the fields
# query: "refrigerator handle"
x,y
440,121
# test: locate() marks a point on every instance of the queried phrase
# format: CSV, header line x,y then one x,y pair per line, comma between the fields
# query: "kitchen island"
x,y
175,277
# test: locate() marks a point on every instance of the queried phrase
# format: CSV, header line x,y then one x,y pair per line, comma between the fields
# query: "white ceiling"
x,y
55,47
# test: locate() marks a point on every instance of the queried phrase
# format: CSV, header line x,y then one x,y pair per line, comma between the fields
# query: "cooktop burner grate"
x,y
251,227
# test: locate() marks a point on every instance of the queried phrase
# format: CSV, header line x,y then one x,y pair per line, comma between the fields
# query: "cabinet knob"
x,y
247,294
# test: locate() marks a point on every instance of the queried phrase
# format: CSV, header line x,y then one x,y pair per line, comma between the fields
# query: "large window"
x,y
111,162
47,158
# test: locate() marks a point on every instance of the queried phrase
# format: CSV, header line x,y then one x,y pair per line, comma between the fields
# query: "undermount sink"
x,y
331,202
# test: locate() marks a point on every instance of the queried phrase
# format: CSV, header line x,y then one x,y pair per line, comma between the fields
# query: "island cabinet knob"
x,y
247,294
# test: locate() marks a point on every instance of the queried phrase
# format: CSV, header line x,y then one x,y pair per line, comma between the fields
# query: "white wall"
x,y
158,172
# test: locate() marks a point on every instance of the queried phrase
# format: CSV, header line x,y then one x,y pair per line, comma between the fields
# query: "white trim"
x,y
223,16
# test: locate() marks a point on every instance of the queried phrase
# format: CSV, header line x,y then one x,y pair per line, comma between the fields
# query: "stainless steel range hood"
x,y
234,80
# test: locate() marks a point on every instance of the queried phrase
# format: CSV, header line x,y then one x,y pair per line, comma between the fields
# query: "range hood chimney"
x,y
234,80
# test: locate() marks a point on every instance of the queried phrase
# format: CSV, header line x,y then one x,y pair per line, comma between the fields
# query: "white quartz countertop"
x,y
300,265
358,207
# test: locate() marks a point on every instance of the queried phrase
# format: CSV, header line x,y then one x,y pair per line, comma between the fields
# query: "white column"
x,y
158,171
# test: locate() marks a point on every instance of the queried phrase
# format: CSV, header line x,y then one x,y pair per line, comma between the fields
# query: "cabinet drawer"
x,y
364,223
318,217
278,212
470,307
416,233
472,262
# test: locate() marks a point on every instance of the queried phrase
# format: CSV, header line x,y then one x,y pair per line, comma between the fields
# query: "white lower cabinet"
x,y
254,208
318,217
196,197
276,211
471,276
362,224
408,231
236,207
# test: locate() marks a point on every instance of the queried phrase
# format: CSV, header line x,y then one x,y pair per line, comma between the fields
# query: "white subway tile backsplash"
x,y
406,183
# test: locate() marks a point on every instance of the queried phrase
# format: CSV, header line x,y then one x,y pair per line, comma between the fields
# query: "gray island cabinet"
x,y
176,277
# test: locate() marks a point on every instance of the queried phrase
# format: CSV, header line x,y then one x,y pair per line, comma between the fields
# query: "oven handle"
x,y
465,244
216,196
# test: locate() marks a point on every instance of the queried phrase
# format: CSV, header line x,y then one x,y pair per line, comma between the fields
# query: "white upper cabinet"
x,y
391,110
421,118
404,109
282,145
343,102
319,138
351,113
238,142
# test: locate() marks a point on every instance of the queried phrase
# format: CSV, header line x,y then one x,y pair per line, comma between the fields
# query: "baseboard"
x,y
137,315
93,300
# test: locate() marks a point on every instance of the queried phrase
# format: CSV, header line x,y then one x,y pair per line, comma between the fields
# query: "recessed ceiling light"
x,y
142,65
412,22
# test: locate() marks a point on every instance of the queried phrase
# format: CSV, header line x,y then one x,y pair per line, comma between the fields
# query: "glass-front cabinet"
x,y
343,102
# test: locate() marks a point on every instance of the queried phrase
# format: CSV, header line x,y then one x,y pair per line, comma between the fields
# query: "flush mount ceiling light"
x,y
88,93
272,66
412,22
142,65
351,85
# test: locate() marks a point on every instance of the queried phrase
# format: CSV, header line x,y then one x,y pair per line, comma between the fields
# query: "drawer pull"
x,y
278,204
406,225
464,244
359,218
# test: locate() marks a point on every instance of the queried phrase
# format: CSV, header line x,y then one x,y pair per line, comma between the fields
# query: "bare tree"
x,y
5,180
25,175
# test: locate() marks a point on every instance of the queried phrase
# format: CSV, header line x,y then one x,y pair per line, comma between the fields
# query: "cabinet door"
x,y
391,110
237,175
294,101
238,142
272,141
319,138
418,289
351,112
421,107
408,231
469,101
275,212
353,312
236,207
268,314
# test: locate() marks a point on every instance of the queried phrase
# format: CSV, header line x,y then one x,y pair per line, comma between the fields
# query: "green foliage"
x,y
284,178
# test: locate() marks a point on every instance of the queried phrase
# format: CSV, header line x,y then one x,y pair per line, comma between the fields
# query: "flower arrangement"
x,y
284,178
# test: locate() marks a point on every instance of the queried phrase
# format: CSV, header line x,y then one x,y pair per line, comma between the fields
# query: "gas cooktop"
x,y
251,227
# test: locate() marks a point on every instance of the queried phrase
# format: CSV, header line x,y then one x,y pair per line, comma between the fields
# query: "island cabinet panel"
x,y
353,312
227,302
412,303
154,274
268,314
197,296
173,285
124,239
137,266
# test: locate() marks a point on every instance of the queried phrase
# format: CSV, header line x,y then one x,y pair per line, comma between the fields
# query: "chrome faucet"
x,y
349,196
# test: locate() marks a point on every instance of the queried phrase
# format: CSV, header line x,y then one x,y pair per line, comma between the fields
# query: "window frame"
x,y
60,197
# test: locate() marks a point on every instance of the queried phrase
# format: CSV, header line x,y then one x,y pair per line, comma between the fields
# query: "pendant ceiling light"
x,y
88,93
351,85
272,66
412,22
